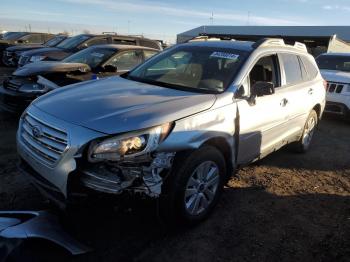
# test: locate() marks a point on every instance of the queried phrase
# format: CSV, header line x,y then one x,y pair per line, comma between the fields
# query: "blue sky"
x,y
164,19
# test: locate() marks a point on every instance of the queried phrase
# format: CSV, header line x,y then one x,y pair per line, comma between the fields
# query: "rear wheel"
x,y
309,129
196,185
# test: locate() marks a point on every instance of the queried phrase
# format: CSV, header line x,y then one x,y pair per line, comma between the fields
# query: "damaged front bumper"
x,y
145,178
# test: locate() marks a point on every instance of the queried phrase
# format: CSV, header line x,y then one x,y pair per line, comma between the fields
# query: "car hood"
x,y
116,105
21,48
45,67
336,76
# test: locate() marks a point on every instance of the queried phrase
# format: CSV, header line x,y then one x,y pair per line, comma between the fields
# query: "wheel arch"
x,y
224,147
317,108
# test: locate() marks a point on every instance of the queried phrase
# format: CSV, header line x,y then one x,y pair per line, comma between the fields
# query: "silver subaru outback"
x,y
176,127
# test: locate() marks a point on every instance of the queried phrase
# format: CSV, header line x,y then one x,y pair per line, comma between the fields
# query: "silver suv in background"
x,y
174,128
335,69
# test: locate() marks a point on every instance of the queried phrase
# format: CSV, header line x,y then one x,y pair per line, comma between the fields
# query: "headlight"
x,y
32,88
129,144
37,58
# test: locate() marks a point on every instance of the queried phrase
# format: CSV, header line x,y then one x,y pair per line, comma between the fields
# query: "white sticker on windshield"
x,y
97,54
224,55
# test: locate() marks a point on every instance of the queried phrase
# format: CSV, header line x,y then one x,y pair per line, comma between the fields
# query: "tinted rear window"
x,y
310,67
334,62
292,68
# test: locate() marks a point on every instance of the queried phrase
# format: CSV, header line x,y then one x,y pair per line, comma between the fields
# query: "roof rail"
x,y
300,46
273,41
265,42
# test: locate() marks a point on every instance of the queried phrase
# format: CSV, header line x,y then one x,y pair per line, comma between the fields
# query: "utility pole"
x,y
212,18
30,28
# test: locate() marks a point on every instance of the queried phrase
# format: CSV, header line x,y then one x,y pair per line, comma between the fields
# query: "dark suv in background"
x,y
79,42
12,54
23,38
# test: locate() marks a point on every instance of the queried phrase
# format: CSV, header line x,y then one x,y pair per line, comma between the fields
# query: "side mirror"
x,y
109,69
261,88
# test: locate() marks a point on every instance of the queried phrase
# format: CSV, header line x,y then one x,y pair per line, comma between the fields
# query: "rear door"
x,y
262,124
298,90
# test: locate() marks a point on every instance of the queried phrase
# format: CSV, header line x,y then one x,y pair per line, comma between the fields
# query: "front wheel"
x,y
196,185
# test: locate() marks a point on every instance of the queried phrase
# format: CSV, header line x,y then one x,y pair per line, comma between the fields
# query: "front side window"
x,y
92,56
334,62
127,60
292,68
192,68
265,70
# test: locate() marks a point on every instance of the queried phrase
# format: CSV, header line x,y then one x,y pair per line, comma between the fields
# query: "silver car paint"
x,y
198,118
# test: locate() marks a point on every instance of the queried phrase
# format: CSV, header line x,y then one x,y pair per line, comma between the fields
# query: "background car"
x,y
79,42
13,53
335,69
23,38
36,79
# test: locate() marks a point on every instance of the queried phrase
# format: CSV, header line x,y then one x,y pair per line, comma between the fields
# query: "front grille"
x,y
46,142
333,87
12,85
23,60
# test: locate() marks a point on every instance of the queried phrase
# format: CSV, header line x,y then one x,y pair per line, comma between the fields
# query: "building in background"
x,y
318,39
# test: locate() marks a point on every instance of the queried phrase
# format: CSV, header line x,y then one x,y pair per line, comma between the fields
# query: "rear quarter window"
x,y
310,67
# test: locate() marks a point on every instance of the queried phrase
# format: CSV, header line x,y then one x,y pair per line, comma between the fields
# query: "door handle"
x,y
284,102
311,91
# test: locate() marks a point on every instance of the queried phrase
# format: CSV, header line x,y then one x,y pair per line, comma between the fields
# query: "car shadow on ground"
x,y
249,224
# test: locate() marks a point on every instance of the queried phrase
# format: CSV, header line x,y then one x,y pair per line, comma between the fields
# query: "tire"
x,y
304,143
203,192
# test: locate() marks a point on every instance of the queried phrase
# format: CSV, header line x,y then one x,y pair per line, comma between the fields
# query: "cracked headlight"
x,y
129,144
37,58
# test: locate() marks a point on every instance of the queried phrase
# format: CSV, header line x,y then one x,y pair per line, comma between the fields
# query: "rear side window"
x,y
97,41
150,44
34,38
292,68
123,42
311,68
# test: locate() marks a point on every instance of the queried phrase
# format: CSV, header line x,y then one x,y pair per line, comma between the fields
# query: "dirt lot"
x,y
287,207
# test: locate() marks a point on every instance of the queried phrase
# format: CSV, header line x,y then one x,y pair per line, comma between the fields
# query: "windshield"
x,y
54,41
92,56
192,68
13,36
73,41
334,62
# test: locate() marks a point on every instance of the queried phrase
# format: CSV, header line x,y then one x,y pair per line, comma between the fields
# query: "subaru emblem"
x,y
36,131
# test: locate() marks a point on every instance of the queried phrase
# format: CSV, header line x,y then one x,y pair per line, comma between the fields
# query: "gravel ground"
x,y
286,207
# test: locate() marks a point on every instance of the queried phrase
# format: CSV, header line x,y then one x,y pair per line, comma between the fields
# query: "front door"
x,y
262,121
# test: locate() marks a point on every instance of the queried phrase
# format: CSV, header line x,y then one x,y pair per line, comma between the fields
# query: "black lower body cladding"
x,y
338,109
13,101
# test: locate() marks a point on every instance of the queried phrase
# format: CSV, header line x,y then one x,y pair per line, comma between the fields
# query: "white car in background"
x,y
335,69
